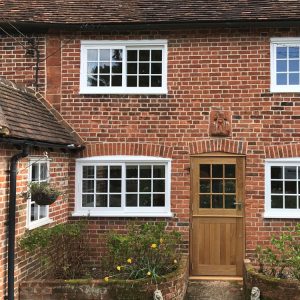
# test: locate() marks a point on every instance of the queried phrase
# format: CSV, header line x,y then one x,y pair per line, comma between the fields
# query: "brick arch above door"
x,y
283,151
144,149
218,145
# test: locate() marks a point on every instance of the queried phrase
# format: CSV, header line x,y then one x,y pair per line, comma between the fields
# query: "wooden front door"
x,y
217,232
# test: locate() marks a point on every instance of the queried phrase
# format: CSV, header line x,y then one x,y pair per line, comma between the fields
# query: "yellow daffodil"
x,y
119,268
161,240
153,246
149,273
129,260
106,279
175,261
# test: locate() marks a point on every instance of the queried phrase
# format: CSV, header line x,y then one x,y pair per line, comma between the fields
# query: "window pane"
x,y
35,172
229,186
229,201
143,81
132,68
204,186
290,202
87,200
92,68
88,171
205,171
104,67
217,171
294,65
159,200
43,175
281,66
115,172
34,212
145,200
144,55
131,186
92,55
132,81
101,186
104,80
88,186
101,201
115,200
204,201
281,52
145,186
156,81
276,202
115,186
104,55
217,201
217,186
102,171
144,68
43,211
291,187
156,55
281,79
116,67
230,171
145,171
131,200
290,172
158,185
116,80
293,78
276,187
156,68
131,171
159,171
276,172
132,55
293,52
92,80
117,54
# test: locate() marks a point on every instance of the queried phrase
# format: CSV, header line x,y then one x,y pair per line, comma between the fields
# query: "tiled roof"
x,y
26,115
147,11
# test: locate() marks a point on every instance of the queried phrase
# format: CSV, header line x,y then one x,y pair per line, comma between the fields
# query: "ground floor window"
x,y
38,172
282,188
123,186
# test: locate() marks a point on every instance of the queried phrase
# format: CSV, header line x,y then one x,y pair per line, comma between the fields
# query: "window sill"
x,y
86,91
36,224
285,89
282,215
122,214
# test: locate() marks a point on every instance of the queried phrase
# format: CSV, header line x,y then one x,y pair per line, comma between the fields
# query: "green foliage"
x,y
62,248
43,188
146,251
283,259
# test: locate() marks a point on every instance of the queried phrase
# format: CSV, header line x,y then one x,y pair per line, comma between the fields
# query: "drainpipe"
x,y
12,220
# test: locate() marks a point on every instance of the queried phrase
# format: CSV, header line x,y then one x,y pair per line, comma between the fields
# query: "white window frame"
x,y
122,211
293,41
133,44
293,213
46,220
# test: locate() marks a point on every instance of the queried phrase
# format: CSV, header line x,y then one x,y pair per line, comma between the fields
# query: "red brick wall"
x,y
26,265
227,69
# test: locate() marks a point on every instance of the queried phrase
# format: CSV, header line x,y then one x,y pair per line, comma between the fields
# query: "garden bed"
x,y
270,288
173,286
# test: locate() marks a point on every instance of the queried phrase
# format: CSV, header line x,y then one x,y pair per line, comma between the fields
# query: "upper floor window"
x,y
123,186
282,188
124,67
38,215
285,65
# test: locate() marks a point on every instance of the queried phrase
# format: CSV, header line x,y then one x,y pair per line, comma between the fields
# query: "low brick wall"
x,y
173,286
270,288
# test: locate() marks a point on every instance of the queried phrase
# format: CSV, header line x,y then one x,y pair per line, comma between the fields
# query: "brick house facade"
x,y
223,70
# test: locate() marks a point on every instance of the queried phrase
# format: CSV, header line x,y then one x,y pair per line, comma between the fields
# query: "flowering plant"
x,y
146,251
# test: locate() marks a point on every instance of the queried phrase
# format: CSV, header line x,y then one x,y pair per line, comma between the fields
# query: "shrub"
x,y
283,258
62,248
146,251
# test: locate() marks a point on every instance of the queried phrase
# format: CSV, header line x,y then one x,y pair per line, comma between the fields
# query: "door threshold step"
x,y
217,278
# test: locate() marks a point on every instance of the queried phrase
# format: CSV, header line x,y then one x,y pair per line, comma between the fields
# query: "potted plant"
x,y
43,193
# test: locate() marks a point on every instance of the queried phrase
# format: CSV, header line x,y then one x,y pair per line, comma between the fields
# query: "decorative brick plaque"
x,y
220,123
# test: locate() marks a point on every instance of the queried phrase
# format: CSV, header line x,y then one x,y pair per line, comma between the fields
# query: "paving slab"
x,y
215,290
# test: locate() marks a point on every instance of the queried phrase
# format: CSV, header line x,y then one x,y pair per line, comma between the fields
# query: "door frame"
x,y
216,155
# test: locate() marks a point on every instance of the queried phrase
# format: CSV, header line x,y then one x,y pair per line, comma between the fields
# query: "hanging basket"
x,y
42,198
